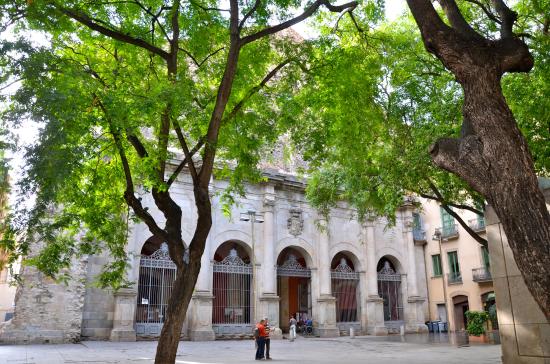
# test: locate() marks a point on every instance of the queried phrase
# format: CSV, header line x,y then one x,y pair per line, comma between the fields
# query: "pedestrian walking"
x,y
260,341
267,339
292,332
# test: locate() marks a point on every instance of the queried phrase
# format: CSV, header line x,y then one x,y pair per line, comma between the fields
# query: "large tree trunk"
x,y
492,154
186,278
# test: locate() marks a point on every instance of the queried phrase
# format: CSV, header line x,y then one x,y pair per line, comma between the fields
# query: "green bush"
x,y
476,322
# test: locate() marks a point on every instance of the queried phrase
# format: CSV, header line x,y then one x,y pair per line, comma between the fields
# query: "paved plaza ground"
x,y
412,349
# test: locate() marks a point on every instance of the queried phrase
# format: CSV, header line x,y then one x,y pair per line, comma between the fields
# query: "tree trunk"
x,y
184,285
492,155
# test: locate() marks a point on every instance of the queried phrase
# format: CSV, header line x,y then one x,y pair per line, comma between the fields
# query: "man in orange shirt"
x,y
260,340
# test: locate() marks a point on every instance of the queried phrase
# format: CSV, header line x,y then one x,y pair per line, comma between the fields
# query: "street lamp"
x,y
439,237
254,218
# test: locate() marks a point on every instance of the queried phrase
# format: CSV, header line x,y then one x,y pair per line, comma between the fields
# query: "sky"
x,y
27,133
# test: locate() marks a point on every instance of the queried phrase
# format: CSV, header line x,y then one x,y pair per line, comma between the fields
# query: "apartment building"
x,y
457,267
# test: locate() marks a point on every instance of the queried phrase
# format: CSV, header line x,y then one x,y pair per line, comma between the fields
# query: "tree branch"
x,y
185,148
307,13
115,34
451,204
487,11
248,14
207,8
253,90
195,61
457,20
182,164
129,194
466,227
508,18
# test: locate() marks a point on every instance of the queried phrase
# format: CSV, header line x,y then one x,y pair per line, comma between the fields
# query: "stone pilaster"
x,y
327,303
269,307
269,284
375,304
414,313
125,313
326,321
199,315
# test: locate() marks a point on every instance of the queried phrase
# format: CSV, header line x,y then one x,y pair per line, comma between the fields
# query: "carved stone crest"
x,y
295,222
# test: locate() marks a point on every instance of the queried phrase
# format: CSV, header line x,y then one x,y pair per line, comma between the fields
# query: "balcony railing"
x,y
447,232
419,235
482,275
477,225
454,278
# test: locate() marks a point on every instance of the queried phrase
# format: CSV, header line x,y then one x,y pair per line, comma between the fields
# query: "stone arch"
x,y
238,236
302,246
223,250
351,252
395,261
460,293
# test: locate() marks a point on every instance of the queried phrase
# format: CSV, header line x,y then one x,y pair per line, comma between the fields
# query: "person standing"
x,y
260,341
293,323
267,339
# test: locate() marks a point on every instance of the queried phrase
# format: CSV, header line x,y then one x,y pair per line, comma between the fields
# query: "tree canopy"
x,y
378,101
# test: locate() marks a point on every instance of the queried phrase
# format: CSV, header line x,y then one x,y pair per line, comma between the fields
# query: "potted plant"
x,y
477,321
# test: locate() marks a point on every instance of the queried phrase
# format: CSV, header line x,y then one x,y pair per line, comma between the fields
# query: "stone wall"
x,y
524,331
98,306
46,311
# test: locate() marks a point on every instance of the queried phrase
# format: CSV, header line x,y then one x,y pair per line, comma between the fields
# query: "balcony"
x,y
477,225
419,236
454,278
447,232
481,275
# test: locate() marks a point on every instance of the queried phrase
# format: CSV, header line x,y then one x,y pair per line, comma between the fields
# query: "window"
x,y
485,257
417,222
436,263
453,263
447,223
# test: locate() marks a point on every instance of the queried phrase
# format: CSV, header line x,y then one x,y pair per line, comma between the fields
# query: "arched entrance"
x,y
293,287
345,288
157,273
460,306
389,288
232,283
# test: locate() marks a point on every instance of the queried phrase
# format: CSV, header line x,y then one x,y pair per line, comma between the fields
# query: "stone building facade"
x,y
274,256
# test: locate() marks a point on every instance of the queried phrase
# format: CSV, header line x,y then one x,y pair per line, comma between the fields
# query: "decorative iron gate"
x,y
292,269
345,284
157,273
231,309
389,288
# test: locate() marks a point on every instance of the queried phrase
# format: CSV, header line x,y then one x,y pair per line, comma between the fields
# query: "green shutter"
x,y
436,263
453,262
485,256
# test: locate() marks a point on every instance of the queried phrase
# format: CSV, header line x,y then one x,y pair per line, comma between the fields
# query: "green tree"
x,y
118,86
378,104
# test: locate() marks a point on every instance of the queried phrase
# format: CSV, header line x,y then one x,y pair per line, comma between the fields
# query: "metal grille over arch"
x,y
389,288
231,309
345,288
157,273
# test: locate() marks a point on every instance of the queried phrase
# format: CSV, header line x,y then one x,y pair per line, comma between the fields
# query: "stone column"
x,y
199,313
375,304
327,303
125,312
269,301
414,312
269,266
